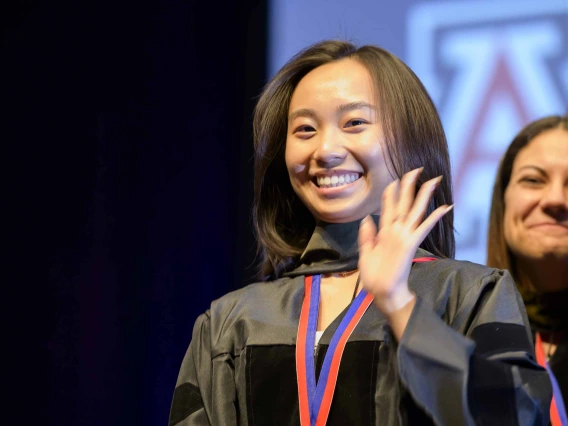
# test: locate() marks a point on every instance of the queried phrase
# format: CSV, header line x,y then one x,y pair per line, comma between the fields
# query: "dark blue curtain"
x,y
128,150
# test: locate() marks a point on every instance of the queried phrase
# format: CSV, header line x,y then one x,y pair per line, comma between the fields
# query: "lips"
x,y
550,225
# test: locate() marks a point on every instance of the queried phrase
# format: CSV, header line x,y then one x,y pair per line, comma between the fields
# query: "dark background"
x,y
127,138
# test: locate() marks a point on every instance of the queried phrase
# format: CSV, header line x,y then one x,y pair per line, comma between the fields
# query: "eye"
x,y
531,180
355,122
304,129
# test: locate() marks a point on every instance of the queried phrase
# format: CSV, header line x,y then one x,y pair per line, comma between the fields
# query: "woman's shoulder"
x,y
452,280
461,271
455,288
260,313
260,299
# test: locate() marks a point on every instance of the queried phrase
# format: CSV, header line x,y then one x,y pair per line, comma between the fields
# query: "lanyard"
x,y
557,411
315,398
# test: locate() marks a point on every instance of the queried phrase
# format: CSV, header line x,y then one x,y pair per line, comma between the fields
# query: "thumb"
x,y
367,234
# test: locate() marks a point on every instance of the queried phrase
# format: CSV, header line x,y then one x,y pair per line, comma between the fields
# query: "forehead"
x,y
548,150
346,80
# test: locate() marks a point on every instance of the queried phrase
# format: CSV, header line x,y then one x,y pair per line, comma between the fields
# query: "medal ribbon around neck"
x,y
558,415
315,398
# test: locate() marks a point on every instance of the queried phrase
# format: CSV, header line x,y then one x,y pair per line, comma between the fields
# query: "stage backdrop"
x,y
127,145
490,66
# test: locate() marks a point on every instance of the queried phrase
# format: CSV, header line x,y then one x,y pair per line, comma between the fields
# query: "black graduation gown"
x,y
466,357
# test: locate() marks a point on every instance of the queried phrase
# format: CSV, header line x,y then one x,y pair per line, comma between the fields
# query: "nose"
x,y
330,151
555,199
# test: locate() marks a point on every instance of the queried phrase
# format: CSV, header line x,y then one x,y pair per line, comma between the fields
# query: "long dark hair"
x,y
413,134
498,254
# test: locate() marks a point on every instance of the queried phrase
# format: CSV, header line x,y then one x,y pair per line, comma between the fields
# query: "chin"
x,y
343,216
548,252
560,253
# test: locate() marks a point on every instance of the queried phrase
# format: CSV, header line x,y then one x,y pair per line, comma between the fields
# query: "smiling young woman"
x,y
405,124
528,234
362,316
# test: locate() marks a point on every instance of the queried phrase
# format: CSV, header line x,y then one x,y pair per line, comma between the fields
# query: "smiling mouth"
x,y
550,225
336,180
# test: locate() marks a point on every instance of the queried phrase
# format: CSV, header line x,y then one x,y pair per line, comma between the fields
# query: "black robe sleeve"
x,y
479,370
202,375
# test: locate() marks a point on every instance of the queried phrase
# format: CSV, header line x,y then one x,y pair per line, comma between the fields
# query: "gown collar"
x,y
333,247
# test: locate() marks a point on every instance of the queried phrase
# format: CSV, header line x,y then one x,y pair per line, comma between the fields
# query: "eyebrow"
x,y
341,109
529,166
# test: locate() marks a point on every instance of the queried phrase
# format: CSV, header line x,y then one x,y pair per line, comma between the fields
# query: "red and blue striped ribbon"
x,y
315,398
558,415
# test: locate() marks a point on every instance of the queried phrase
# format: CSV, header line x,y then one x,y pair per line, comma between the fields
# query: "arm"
x,y
481,370
193,386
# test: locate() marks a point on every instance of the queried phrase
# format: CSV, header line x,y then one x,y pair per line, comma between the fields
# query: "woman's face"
x,y
536,200
334,143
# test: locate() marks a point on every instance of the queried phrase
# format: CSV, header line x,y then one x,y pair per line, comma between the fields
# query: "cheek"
x,y
378,173
295,160
297,168
509,213
507,225
373,159
289,157
519,203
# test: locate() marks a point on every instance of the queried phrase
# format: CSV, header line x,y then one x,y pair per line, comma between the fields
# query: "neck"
x,y
332,248
544,275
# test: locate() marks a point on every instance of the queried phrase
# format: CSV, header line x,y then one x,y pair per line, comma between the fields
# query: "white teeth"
x,y
336,180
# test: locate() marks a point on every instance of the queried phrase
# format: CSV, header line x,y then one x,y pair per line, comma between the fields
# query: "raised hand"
x,y
385,258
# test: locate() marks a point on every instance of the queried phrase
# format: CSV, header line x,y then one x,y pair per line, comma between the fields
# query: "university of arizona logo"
x,y
490,67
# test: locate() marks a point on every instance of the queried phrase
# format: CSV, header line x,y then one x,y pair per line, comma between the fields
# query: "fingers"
x,y
407,192
429,223
422,200
367,234
388,204
400,205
